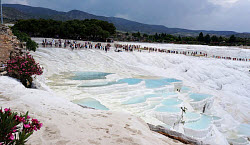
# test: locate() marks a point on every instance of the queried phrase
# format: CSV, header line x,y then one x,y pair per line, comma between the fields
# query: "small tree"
x,y
145,35
200,37
22,68
207,39
214,38
232,39
179,38
31,45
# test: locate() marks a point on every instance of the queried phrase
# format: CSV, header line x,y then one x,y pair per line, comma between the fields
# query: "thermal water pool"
x,y
170,102
157,83
145,98
198,97
89,75
203,123
90,102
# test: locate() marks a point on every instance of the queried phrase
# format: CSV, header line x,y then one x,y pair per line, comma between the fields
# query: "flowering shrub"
x,y
22,68
16,129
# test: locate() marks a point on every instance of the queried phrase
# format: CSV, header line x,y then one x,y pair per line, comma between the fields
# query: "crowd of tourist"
x,y
74,45
138,48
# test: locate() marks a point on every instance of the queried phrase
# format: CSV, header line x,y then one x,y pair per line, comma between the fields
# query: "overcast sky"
x,y
190,14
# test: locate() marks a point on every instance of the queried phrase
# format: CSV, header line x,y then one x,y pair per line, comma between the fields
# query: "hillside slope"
x,y
27,12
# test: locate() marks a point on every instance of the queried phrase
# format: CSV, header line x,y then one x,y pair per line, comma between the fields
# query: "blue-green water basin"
x,y
192,115
171,102
244,129
89,75
199,97
203,123
157,83
136,100
90,102
240,141
130,81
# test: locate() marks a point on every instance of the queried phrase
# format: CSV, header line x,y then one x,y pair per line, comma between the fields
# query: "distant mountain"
x,y
13,12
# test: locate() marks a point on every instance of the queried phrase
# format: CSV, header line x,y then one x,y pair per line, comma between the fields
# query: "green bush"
x,y
23,37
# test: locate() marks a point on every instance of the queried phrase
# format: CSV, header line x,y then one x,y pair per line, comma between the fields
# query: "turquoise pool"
x,y
192,115
152,96
141,99
157,83
216,118
171,102
89,75
135,100
244,129
168,109
168,94
185,89
201,124
130,81
241,141
90,102
199,97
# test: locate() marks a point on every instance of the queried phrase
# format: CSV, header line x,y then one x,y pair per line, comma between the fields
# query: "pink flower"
x,y
6,109
35,121
26,126
35,128
11,136
21,119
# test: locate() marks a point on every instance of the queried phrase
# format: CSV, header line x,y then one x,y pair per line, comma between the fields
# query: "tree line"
x,y
201,39
95,30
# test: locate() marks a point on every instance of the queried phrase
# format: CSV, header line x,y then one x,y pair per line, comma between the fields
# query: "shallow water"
x,y
89,75
201,124
192,116
130,81
173,101
157,83
244,129
136,95
90,102
199,97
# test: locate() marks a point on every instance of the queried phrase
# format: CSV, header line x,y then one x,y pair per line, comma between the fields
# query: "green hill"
x,y
13,12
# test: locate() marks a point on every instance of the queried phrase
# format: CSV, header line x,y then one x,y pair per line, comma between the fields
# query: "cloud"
x,y
190,14
23,2
224,3
124,16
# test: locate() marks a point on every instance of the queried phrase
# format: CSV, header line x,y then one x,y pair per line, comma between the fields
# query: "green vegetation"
x,y
14,12
96,30
23,37
201,39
